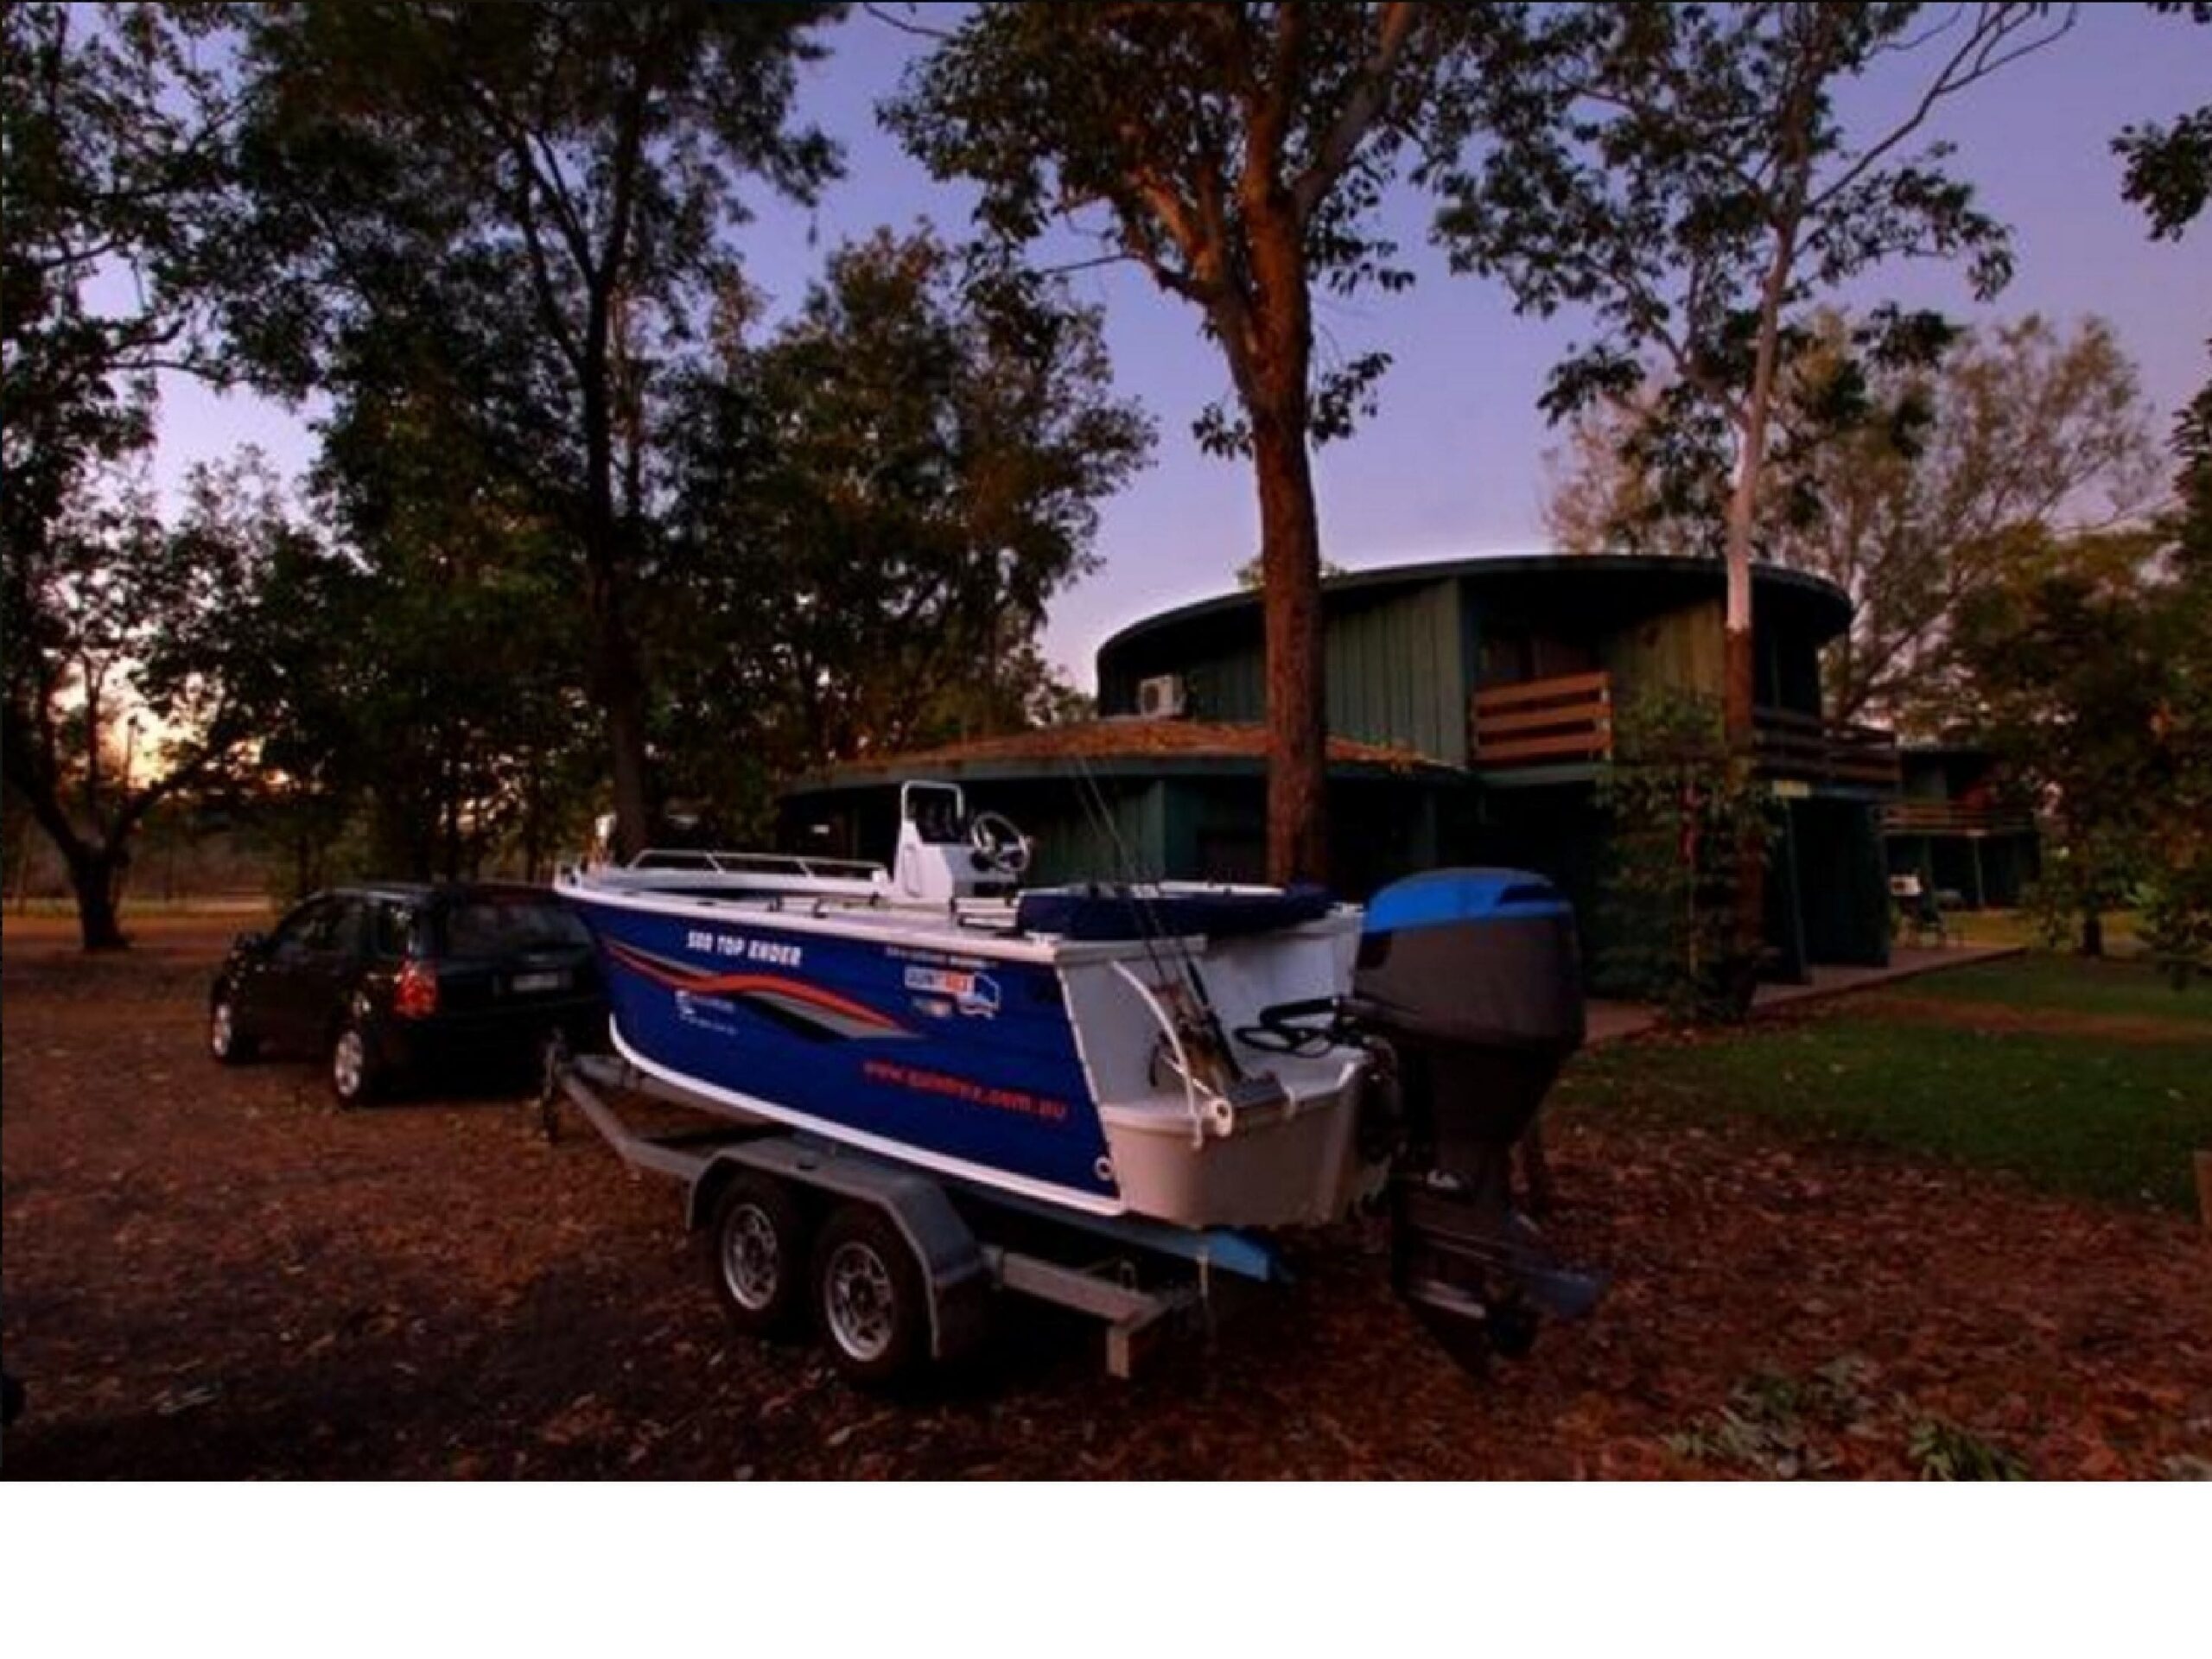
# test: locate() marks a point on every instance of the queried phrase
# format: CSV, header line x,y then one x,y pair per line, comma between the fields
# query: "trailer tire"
x,y
870,1298
756,1253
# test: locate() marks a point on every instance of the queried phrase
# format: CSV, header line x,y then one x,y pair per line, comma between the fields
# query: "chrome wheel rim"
x,y
348,1061
859,1301
751,1260
222,1031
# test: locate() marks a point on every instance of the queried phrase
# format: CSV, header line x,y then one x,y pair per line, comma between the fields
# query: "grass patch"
x,y
2085,1115
2123,930
2071,985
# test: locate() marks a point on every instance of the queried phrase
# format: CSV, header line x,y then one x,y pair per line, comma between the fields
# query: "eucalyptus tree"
x,y
911,466
1905,484
1688,175
133,670
537,206
1238,154
113,142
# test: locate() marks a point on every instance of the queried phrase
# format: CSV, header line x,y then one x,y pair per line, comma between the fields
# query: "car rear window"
x,y
476,928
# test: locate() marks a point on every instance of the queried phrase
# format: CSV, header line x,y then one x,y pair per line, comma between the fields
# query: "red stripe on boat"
x,y
688,979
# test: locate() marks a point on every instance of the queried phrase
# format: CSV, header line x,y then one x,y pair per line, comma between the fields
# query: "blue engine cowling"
x,y
1469,979
1472,977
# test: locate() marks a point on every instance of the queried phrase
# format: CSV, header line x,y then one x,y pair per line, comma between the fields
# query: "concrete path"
x,y
1610,1022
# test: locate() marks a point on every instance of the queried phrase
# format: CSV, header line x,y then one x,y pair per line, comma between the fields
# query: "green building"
x,y
1469,712
1958,829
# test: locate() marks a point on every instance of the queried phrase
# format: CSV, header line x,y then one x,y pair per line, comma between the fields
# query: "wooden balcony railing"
x,y
1557,721
1934,817
1568,719
1791,745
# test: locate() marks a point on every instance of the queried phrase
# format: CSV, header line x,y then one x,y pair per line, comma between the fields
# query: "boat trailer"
x,y
898,1268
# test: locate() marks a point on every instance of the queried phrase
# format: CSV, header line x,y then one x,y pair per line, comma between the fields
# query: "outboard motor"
x,y
1468,980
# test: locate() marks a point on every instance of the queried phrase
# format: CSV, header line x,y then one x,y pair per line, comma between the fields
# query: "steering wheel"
x,y
998,843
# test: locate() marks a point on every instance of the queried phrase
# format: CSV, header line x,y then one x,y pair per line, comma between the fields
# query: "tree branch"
x,y
905,26
1359,112
1976,58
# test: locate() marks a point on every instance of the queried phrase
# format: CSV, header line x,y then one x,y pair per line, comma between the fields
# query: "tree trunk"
x,y
623,693
1272,369
1290,567
95,867
1739,716
617,678
2092,932
1740,687
1740,720
96,875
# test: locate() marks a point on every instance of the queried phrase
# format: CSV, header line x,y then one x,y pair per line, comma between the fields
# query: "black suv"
x,y
410,979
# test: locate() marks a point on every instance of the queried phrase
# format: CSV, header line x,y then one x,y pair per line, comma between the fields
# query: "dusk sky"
x,y
1452,466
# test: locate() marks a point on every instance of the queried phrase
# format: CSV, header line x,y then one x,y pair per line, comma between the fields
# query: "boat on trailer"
x,y
1181,1058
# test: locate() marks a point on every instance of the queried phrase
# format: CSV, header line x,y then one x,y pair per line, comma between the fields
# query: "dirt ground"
x,y
215,1274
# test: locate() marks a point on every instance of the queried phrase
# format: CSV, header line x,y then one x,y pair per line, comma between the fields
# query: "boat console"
x,y
944,855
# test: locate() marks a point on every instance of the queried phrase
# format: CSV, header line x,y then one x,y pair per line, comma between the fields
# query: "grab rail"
x,y
742,864
1216,1111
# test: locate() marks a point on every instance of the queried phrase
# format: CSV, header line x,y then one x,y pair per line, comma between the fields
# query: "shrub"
x,y
1686,816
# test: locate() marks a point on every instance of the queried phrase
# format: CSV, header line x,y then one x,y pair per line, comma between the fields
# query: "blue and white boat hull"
x,y
1040,1066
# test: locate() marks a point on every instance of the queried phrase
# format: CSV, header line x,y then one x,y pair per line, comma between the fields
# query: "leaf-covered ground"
x,y
209,1272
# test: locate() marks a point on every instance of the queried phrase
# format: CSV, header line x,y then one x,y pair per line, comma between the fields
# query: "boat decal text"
x,y
775,952
975,1094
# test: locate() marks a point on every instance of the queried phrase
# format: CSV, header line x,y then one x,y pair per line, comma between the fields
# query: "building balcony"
x,y
1941,817
1567,721
1814,750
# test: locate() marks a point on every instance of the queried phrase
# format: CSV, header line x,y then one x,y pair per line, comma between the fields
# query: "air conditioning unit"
x,y
1162,696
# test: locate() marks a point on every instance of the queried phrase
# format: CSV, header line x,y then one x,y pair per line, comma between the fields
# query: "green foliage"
x,y
1684,172
1772,1424
1906,482
2178,923
114,145
873,508
1686,815
112,135
1944,1451
1240,154
2092,670
1259,122
2170,167
519,219
1252,579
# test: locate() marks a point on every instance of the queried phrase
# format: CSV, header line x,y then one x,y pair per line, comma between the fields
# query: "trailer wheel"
x,y
756,1253
869,1295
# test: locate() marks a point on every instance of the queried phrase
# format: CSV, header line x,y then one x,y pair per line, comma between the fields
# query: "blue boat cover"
x,y
1472,895
1096,913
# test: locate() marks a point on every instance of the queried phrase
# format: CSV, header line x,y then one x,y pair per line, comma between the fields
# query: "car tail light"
x,y
416,996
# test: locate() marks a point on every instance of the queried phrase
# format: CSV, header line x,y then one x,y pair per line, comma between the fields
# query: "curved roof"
x,y
1826,607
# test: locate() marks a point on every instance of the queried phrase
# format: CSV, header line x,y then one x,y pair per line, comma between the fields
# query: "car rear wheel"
x,y
355,1076
227,1041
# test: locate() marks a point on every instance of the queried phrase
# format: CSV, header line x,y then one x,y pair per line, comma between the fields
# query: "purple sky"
x,y
1452,466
